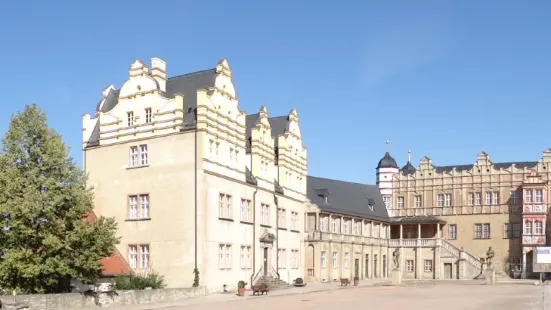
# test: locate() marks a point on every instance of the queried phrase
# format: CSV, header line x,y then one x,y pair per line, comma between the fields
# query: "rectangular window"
x,y
495,198
400,203
387,201
528,196
470,199
538,227
333,225
138,207
528,227
447,200
245,257
246,212
323,259
139,156
346,260
294,221
232,159
281,218
452,232
264,214
322,223
515,264
138,256
477,198
335,259
216,149
356,228
417,201
538,196
211,148
511,230
346,227
133,256
148,115
514,197
130,119
282,258
224,206
488,198
224,256
482,231
428,265
440,200
409,265
295,260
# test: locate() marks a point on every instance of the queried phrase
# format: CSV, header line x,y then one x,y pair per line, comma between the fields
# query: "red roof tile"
x,y
115,264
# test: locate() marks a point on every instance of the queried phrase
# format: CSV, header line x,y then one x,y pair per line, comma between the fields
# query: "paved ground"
x,y
456,295
450,296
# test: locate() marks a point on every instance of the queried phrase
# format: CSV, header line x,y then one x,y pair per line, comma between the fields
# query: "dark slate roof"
x,y
186,84
423,219
387,162
347,198
250,177
521,164
279,125
408,168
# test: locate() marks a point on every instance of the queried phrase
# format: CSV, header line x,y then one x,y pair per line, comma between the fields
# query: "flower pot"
x,y
356,282
241,291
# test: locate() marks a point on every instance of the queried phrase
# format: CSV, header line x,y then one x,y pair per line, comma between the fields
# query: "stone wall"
x,y
103,299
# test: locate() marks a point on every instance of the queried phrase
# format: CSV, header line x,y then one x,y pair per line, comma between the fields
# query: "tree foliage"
x,y
44,200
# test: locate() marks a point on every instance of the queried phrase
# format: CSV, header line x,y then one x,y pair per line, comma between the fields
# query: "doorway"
x,y
448,271
375,269
265,261
384,266
356,267
366,268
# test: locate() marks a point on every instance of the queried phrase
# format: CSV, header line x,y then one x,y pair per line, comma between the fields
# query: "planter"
x,y
356,282
299,285
241,291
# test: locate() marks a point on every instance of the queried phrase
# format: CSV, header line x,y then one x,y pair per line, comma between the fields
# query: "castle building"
x,y
475,206
195,183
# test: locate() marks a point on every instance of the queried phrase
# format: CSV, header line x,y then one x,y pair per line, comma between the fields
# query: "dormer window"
x,y
323,193
370,203
326,199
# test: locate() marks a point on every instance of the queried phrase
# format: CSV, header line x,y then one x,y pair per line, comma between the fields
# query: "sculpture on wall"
x,y
396,258
489,255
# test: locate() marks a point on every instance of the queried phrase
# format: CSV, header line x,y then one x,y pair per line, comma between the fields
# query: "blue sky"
x,y
446,79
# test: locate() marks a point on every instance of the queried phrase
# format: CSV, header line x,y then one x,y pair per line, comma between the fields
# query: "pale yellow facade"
x,y
483,205
192,184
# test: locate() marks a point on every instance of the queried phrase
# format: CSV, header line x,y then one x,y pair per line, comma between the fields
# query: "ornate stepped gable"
x,y
483,164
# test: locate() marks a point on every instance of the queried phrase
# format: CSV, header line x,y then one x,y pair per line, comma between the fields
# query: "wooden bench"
x,y
260,289
345,282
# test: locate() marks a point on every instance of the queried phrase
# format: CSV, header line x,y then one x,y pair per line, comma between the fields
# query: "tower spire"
x,y
409,156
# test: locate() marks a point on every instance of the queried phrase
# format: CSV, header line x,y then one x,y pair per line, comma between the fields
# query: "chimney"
x,y
158,72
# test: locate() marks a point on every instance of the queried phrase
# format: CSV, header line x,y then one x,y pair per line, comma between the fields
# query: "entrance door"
x,y
366,265
375,269
265,261
448,271
356,267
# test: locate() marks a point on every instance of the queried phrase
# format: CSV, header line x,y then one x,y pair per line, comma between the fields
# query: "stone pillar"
x,y
418,231
437,262
418,263
438,230
317,225
401,232
462,269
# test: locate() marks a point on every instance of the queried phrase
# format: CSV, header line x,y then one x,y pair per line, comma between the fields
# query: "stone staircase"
x,y
474,268
273,283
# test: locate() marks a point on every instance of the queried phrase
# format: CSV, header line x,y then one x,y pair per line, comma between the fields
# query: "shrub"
x,y
139,282
299,281
356,278
241,284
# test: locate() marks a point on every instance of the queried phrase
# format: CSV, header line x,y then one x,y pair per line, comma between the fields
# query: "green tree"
x,y
44,201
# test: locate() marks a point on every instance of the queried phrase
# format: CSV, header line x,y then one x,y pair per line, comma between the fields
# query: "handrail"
x,y
275,272
255,277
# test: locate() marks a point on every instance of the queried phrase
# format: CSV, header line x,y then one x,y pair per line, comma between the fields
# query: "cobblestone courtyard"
x,y
448,296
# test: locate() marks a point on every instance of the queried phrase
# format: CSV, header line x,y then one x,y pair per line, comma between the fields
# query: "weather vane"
x,y
388,145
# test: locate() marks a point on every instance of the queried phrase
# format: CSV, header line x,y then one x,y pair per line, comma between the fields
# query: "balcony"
x,y
414,243
336,237
533,239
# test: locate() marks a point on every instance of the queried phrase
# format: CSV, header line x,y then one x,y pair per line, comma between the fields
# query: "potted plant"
x,y
356,281
299,282
241,288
